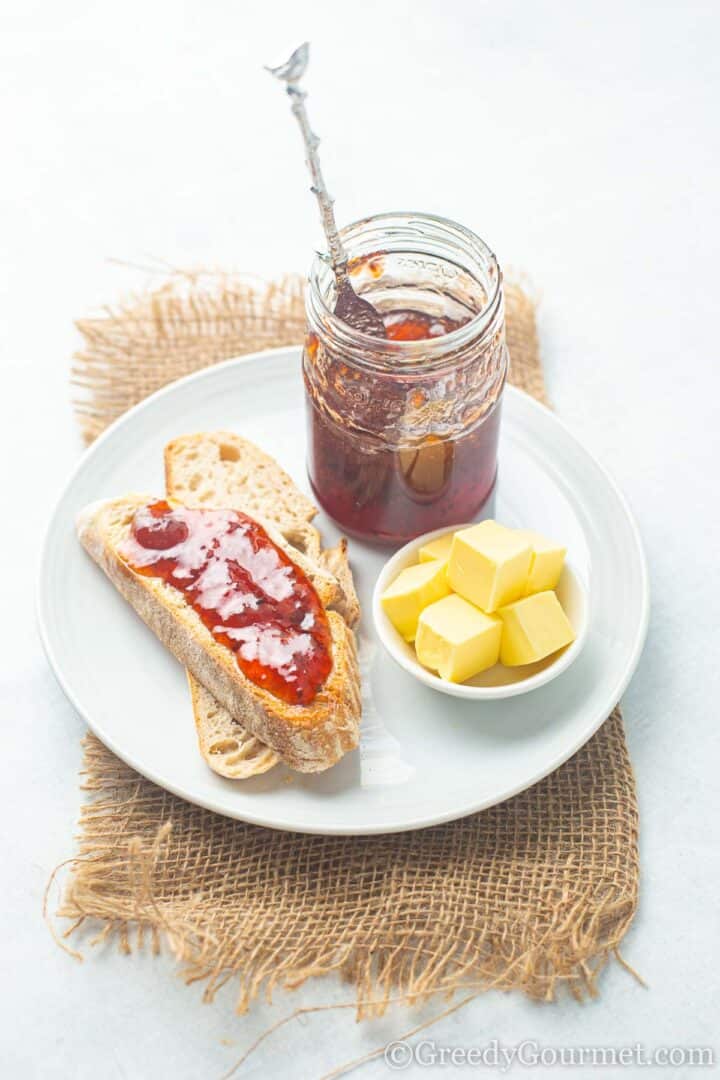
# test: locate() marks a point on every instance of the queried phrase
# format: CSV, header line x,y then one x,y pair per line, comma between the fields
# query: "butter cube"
x,y
411,591
533,628
456,639
437,549
547,562
489,565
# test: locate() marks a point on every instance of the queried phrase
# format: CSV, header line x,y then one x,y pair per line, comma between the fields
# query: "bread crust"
x,y
309,738
335,560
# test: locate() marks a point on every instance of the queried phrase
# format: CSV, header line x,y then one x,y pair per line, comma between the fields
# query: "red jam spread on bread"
x,y
250,595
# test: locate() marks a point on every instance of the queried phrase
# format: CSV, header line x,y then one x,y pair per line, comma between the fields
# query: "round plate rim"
x,y
328,829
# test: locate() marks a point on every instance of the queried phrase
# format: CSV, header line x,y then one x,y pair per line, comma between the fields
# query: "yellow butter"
x,y
547,562
456,639
411,591
437,549
489,565
533,628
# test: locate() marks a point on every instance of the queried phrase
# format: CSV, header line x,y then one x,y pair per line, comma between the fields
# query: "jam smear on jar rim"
x,y
390,495
252,598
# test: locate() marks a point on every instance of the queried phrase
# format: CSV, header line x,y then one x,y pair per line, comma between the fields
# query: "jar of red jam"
x,y
403,429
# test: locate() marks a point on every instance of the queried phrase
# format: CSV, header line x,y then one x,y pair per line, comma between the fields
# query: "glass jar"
x,y
403,430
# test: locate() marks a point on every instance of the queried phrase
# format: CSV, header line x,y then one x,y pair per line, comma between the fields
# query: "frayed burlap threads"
x,y
534,894
531,895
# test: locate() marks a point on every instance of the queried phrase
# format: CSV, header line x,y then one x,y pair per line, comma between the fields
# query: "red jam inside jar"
x,y
403,429
252,598
394,494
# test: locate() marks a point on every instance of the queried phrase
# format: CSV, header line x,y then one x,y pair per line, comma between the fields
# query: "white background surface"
x,y
582,142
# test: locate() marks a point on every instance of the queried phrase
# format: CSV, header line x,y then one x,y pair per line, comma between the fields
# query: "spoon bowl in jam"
x,y
498,680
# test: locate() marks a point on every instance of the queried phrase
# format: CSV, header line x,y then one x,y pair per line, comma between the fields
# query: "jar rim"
x,y
409,350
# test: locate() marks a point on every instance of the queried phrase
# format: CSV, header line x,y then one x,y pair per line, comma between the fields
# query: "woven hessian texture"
x,y
534,894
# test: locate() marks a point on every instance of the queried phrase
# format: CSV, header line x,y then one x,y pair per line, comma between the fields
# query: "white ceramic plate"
x,y
424,758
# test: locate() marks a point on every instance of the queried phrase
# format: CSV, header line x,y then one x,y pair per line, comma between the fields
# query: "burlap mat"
x,y
532,894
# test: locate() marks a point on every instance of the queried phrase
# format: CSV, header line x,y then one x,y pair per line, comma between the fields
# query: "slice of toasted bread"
x,y
226,464
309,738
227,747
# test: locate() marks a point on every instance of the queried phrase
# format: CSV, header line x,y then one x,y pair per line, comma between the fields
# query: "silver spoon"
x,y
351,308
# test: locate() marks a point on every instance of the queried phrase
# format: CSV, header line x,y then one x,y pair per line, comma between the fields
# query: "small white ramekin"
x,y
498,681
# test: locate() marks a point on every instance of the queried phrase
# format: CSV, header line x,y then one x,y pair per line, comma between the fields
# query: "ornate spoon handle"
x,y
350,307
291,73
